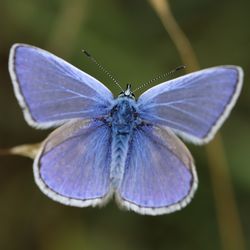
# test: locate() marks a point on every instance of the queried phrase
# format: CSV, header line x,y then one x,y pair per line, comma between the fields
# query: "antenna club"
x,y
86,52
180,67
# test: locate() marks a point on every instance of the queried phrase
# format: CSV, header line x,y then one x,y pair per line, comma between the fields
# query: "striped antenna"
x,y
160,77
102,68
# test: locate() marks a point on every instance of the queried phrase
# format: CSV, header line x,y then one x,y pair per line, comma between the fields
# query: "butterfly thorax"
x,y
123,119
124,116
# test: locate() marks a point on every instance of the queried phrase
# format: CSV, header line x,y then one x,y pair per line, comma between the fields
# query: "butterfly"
x,y
121,147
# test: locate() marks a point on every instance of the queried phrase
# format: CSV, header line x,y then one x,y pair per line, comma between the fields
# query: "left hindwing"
x,y
194,105
73,166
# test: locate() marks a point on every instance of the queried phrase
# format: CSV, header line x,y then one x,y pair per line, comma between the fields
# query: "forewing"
x,y
160,176
51,91
73,165
195,105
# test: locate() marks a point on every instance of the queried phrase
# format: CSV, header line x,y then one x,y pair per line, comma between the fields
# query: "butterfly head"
x,y
127,93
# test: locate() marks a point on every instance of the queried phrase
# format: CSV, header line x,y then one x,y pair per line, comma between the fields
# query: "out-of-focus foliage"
x,y
127,38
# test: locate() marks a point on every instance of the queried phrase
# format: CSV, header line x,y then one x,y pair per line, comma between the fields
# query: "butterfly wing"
x,y
195,105
72,168
51,91
160,175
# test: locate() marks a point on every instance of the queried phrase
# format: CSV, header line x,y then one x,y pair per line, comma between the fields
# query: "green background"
x,y
128,38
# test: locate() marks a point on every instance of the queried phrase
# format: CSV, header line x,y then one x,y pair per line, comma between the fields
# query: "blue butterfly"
x,y
121,146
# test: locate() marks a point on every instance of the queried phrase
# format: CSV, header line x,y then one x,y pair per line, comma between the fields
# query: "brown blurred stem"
x,y
227,213
178,37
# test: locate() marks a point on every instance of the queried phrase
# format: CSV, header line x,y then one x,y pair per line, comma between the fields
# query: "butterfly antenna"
x,y
160,77
102,68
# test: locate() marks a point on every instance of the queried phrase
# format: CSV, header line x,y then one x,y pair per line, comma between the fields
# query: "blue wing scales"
x,y
72,168
51,91
195,105
160,176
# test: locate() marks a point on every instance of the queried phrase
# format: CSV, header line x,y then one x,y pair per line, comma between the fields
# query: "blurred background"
x,y
128,38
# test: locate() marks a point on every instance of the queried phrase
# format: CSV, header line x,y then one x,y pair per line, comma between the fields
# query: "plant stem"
x,y
230,229
27,150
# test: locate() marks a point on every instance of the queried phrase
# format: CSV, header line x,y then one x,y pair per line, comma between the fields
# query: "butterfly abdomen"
x,y
123,116
120,144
